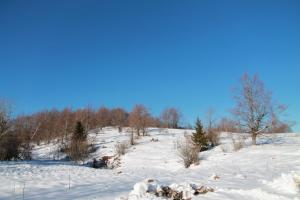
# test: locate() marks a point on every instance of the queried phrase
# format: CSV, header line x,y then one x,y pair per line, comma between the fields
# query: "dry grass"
x,y
121,148
238,143
213,138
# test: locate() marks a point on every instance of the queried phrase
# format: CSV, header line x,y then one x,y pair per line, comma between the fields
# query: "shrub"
x,y
213,138
26,151
10,147
188,152
121,148
224,148
237,143
78,150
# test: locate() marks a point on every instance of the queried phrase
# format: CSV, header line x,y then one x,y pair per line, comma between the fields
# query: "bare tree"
x,y
254,107
213,135
5,117
87,118
9,140
171,117
139,119
278,126
227,125
103,117
119,118
209,119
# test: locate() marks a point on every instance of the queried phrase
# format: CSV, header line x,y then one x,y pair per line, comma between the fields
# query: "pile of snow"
x,y
286,183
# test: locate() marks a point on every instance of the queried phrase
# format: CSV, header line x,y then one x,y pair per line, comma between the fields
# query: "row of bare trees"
x,y
52,124
47,125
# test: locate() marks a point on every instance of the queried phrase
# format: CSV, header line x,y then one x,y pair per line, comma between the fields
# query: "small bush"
x,y
78,150
188,152
213,138
26,151
237,143
296,179
224,148
121,148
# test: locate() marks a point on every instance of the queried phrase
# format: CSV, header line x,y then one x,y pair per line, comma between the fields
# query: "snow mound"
x,y
286,183
257,194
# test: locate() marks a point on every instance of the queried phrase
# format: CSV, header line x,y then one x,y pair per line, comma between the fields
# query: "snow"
x,y
270,170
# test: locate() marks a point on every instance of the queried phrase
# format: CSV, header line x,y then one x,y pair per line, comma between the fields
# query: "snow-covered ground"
x,y
269,171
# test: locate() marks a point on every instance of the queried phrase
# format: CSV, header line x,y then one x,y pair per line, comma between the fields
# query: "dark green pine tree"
x,y
199,138
79,132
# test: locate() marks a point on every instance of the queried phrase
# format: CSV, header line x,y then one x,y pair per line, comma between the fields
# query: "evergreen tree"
x,y
78,149
199,138
79,132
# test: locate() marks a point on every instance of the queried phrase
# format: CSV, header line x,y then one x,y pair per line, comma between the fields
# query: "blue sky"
x,y
187,54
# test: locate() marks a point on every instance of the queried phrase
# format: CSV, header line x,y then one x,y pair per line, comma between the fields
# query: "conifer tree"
x,y
79,132
78,149
199,138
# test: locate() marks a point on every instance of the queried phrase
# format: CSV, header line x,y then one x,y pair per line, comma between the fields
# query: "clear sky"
x,y
187,54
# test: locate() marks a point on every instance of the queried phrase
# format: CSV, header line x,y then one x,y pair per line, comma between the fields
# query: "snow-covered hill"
x,y
264,172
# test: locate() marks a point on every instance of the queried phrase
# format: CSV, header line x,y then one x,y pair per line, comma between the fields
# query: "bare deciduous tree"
x,y
171,117
119,118
139,119
213,135
209,118
227,125
5,117
254,107
103,117
9,141
278,126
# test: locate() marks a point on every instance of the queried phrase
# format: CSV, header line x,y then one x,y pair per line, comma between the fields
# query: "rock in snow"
x,y
152,190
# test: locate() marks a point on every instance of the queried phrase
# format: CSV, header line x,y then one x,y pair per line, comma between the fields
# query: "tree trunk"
x,y
254,136
144,131
132,138
120,129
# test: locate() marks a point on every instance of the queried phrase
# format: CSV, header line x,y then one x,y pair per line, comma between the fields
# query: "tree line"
x,y
47,125
254,113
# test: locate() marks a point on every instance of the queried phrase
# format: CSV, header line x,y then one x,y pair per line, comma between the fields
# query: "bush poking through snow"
x,y
213,138
297,182
237,143
224,148
121,148
188,152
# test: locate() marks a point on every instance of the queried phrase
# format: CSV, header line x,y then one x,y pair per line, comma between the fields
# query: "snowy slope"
x,y
264,172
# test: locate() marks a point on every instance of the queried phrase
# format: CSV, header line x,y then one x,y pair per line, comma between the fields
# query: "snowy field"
x,y
269,171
